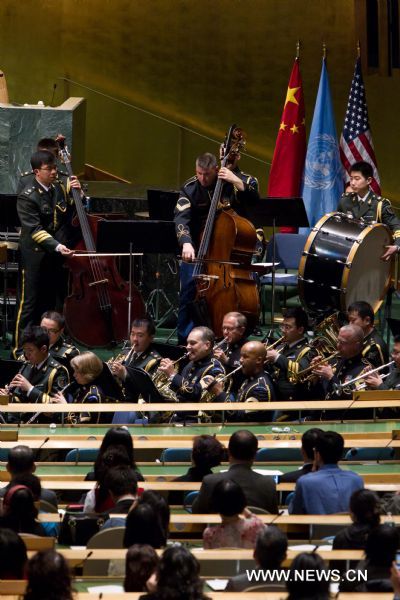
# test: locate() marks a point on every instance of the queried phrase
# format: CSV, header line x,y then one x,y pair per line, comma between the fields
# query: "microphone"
x,y
52,97
280,513
80,565
382,450
41,446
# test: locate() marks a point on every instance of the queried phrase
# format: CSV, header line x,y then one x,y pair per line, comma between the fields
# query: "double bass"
x,y
96,309
223,274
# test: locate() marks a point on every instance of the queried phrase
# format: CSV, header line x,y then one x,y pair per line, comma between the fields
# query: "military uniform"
x,y
373,209
255,389
392,381
50,378
291,360
82,394
63,352
232,352
193,382
375,350
149,361
191,213
45,217
346,369
27,179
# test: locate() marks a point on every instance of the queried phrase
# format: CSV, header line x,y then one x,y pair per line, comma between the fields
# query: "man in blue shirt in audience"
x,y
328,489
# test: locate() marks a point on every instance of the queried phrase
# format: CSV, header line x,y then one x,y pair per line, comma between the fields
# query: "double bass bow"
x,y
223,275
96,309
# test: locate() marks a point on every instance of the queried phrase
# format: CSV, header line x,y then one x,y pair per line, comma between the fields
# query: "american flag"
x,y
356,140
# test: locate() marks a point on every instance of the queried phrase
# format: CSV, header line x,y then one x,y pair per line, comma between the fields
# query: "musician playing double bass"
x,y
191,213
45,213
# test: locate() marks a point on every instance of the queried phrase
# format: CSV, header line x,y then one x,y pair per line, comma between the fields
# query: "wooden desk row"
x,y
193,519
179,486
305,405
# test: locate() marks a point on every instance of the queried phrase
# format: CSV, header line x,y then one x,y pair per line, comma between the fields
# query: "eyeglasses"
x,y
48,169
53,330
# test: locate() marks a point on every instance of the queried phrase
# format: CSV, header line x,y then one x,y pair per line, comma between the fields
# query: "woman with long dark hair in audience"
x,y
315,587
20,512
364,512
143,526
116,436
99,499
141,562
177,577
48,577
13,556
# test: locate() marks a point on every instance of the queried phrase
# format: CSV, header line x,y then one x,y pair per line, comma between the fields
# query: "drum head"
x,y
368,277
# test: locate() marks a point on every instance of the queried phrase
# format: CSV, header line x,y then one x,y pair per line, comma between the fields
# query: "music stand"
x,y
8,210
147,237
8,369
277,212
140,383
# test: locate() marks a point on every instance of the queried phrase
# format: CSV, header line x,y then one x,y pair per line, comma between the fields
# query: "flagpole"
x,y
298,50
358,49
323,50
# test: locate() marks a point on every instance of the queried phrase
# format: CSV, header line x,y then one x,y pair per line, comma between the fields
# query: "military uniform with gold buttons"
x,y
375,349
27,179
63,352
373,209
90,393
45,217
346,369
255,389
291,360
50,378
193,382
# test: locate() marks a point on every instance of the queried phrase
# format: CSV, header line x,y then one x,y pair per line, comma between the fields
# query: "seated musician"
x,y
194,381
375,381
256,387
375,349
362,203
228,352
190,216
141,355
294,354
40,376
85,389
349,364
59,348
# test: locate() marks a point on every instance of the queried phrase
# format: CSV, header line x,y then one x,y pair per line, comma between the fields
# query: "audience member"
x,y
99,499
308,440
141,564
160,506
122,485
315,587
259,490
48,577
229,501
20,512
21,460
327,490
269,553
207,452
116,436
32,482
143,526
380,552
13,556
364,512
177,577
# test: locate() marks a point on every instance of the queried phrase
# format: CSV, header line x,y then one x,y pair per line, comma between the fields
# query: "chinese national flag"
x,y
290,148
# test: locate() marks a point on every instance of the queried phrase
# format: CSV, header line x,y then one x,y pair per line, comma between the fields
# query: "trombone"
x,y
348,387
276,343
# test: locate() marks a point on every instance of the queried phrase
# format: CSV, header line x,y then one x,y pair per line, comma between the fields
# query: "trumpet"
x,y
307,374
350,386
207,394
216,346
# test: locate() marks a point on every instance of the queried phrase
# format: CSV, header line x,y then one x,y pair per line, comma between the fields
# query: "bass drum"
x,y
341,264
